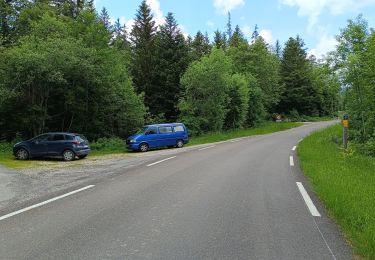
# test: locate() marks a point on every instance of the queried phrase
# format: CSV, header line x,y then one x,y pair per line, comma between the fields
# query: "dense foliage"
x,y
355,63
66,67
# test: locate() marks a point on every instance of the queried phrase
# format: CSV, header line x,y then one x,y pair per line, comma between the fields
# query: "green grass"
x,y
266,128
345,182
107,146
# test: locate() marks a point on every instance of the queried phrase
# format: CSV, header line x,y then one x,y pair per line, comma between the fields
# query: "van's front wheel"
x,y
143,147
180,144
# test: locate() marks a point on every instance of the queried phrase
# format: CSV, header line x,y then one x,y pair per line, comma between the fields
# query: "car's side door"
x,y
56,144
38,146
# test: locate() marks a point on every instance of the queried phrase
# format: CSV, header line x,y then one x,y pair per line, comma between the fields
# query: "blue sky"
x,y
316,21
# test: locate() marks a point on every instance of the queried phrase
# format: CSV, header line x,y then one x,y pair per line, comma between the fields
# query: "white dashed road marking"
x,y
44,202
166,159
308,200
208,147
291,161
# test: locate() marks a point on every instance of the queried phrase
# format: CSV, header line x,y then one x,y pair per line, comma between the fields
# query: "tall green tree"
x,y
238,102
299,94
200,46
204,104
143,49
171,61
349,62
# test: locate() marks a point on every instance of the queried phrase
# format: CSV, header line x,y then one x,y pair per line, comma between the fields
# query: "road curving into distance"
x,y
240,199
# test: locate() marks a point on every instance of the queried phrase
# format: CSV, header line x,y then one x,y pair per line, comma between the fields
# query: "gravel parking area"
x,y
52,176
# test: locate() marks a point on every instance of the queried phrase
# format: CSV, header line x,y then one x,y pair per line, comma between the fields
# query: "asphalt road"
x,y
235,200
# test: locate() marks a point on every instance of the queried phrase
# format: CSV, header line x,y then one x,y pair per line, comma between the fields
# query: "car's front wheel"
x,y
22,154
68,155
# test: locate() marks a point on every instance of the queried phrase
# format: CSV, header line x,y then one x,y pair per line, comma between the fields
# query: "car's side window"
x,y
57,137
41,138
179,128
165,129
69,137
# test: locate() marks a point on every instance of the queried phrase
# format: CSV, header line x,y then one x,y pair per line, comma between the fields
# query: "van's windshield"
x,y
142,130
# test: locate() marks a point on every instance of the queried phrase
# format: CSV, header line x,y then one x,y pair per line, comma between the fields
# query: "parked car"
x,y
65,145
153,136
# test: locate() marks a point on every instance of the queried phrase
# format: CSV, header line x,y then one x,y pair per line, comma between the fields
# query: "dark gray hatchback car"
x,y
65,145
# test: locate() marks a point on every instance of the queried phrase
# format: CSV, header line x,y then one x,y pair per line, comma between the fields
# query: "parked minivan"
x,y
159,135
65,145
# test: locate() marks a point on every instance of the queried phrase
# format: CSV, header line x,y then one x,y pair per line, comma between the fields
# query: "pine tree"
x,y
200,46
229,27
143,49
237,37
170,63
278,50
255,34
105,18
299,95
219,40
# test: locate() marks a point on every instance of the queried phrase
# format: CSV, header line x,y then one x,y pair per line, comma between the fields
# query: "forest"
x,y
64,66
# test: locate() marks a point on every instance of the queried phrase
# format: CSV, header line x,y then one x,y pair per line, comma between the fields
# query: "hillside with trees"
x,y
65,67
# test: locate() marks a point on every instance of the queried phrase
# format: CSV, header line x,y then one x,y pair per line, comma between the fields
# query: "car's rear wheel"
x,y
143,147
82,156
180,144
22,154
68,155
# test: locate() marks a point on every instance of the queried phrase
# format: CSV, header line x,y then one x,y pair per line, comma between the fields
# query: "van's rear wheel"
x,y
180,144
143,147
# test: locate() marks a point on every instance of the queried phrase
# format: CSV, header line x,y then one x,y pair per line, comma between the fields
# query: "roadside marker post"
x,y
345,124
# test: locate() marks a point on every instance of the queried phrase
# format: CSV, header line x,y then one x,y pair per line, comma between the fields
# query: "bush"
x,y
108,144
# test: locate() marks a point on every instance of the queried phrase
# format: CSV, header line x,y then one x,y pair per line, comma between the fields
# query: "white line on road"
x,y
308,200
44,202
294,148
166,159
208,147
300,140
291,161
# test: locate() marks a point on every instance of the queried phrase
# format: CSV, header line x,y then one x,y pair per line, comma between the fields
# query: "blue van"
x,y
152,136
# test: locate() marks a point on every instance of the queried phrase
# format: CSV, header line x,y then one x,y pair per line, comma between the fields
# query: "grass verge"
x,y
107,146
266,128
345,182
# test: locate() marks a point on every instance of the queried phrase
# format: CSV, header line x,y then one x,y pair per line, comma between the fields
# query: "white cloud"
x,y
183,31
326,44
313,8
267,36
225,6
155,9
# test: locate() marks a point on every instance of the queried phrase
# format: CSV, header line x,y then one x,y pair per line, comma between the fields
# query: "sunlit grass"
x,y
345,182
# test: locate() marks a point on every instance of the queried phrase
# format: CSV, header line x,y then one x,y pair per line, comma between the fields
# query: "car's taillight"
x,y
76,142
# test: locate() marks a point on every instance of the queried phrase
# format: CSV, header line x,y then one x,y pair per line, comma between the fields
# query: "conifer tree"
x,y
299,95
143,49
170,63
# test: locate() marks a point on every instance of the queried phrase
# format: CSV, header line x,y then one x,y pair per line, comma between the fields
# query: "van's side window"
x,y
179,128
152,131
165,129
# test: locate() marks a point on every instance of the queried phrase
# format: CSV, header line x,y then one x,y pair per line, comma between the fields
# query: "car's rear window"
x,y
80,138
179,128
